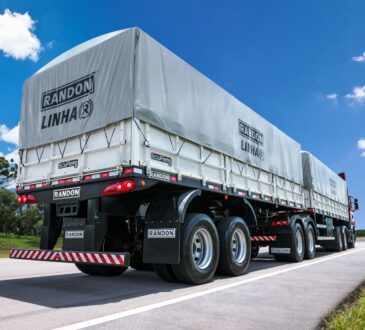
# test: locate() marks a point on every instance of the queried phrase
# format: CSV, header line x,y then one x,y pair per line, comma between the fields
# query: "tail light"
x,y
119,187
27,199
279,223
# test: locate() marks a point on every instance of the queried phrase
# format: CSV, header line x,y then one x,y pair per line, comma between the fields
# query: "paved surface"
x,y
273,295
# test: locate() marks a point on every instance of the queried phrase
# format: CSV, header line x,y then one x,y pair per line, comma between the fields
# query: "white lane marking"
x,y
146,308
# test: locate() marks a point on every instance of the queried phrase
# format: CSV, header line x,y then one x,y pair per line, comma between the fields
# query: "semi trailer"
x,y
140,160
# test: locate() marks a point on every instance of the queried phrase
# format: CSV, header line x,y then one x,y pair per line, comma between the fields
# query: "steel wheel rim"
x,y
202,249
238,246
311,240
299,242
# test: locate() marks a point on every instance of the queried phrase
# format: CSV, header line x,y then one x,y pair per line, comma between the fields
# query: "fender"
x,y
304,221
242,208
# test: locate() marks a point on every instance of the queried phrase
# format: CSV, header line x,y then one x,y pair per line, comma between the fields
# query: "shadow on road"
x,y
72,290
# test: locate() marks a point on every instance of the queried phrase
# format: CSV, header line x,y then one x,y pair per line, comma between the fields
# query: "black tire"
x,y
234,246
338,247
198,230
255,249
352,239
310,243
297,250
165,272
96,270
137,263
344,238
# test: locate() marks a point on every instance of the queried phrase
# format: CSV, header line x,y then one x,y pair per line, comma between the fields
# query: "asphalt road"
x,y
273,295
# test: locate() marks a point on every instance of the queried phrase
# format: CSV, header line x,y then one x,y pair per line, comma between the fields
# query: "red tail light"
x,y
279,223
27,199
119,187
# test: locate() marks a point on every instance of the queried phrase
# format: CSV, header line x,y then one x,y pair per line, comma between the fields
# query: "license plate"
x,y
74,234
279,250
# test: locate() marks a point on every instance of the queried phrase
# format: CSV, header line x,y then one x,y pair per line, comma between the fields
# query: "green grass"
x,y
350,315
12,241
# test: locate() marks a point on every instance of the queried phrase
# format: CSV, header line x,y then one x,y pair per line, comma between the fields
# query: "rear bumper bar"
x,y
80,257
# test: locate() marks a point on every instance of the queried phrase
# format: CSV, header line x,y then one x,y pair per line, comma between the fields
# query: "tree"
x,y
8,170
8,210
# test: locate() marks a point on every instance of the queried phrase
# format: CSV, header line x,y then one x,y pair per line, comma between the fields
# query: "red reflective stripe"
x,y
64,255
119,257
86,257
95,260
71,256
78,255
111,259
102,258
30,255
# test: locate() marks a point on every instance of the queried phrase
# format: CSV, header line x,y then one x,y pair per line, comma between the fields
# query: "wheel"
x,y
137,263
297,250
199,250
234,247
255,248
344,238
338,239
352,239
165,272
310,243
98,270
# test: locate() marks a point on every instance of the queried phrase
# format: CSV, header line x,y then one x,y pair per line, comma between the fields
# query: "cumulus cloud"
x,y
360,58
9,135
13,156
17,39
357,96
361,146
332,97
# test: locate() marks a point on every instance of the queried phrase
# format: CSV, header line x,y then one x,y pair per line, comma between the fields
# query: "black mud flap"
x,y
162,233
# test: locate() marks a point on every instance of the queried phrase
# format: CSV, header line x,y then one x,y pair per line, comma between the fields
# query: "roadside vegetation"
x,y
350,315
360,233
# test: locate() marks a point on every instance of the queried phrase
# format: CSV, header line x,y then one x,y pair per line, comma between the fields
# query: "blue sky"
x,y
297,63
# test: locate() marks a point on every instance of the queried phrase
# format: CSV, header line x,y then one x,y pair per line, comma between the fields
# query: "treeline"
x,y
19,219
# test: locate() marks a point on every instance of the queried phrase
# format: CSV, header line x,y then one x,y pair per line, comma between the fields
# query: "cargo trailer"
x,y
142,161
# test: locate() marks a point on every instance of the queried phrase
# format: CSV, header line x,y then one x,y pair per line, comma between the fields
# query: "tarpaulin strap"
x,y
111,137
146,143
62,152
39,157
178,152
172,145
87,140
239,169
211,152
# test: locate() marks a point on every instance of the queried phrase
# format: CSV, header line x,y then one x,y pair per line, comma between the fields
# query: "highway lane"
x,y
273,295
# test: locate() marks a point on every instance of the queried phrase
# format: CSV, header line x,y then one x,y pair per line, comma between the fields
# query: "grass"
x,y
350,315
12,241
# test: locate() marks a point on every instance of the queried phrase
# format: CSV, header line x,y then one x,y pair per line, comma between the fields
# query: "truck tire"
x,y
310,243
97,270
165,272
338,247
234,246
199,252
344,238
352,240
297,250
255,248
137,263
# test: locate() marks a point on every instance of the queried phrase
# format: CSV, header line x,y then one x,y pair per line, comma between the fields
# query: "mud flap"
x,y
162,233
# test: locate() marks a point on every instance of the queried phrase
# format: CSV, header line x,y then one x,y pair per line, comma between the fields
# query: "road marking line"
x,y
142,309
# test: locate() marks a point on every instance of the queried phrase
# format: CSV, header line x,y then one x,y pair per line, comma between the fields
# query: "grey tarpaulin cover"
x,y
320,178
128,74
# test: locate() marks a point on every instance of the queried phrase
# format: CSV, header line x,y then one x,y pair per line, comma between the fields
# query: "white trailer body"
x,y
325,191
124,99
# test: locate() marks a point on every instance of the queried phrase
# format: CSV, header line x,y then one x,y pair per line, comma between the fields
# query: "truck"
x,y
140,160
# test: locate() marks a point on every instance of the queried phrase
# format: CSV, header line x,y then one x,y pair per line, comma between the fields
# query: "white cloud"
x,y
332,97
360,58
17,39
361,146
9,135
357,95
